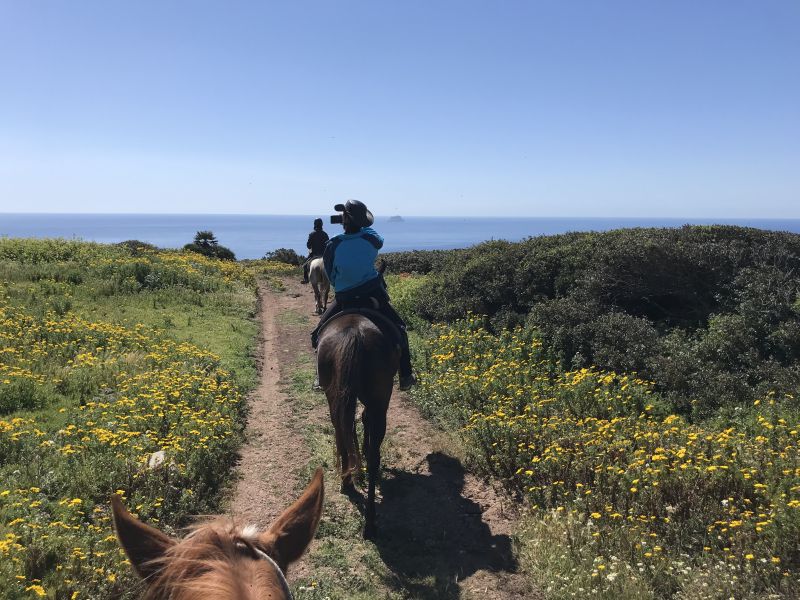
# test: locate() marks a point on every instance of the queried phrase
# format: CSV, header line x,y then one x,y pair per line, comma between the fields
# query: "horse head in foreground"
x,y
357,358
320,283
219,559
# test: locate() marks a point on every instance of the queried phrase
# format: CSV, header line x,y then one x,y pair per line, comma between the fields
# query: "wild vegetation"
x,y
112,357
207,244
637,389
285,255
709,313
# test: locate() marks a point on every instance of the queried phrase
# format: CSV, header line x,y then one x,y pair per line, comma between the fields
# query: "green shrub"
x,y
403,290
137,247
206,243
220,252
285,255
710,313
420,262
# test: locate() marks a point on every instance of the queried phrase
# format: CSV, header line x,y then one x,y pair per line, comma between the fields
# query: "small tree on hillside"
x,y
206,243
206,239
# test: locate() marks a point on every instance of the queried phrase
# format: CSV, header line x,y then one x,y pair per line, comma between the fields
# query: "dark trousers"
x,y
388,311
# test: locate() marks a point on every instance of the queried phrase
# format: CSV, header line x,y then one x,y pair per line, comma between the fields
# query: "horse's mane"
x,y
215,560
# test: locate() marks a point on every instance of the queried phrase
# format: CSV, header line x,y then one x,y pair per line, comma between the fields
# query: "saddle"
x,y
380,320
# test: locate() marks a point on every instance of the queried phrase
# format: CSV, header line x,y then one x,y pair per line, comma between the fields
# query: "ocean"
x,y
251,236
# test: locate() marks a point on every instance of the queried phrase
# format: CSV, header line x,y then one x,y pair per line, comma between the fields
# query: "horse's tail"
x,y
343,400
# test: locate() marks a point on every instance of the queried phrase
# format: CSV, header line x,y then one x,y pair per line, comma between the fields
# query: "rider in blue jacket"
x,y
350,264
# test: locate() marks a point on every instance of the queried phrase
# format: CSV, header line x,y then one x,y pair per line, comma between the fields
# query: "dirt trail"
x,y
443,533
271,458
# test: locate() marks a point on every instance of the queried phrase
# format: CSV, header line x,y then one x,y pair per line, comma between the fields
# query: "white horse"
x,y
320,283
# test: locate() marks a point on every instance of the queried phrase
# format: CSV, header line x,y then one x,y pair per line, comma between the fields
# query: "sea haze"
x,y
251,236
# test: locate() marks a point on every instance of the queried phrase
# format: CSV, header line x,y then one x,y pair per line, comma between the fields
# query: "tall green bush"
x,y
709,312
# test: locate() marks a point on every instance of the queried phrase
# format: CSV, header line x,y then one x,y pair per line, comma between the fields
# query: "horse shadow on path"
x,y
430,536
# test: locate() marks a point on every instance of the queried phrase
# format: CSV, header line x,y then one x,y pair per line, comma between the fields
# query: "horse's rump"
x,y
317,265
319,282
382,322
357,357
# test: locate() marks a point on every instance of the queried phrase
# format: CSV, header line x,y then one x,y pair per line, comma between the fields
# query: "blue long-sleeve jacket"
x,y
350,258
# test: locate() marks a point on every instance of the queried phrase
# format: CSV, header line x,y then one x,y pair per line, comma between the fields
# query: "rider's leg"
x,y
406,376
306,266
333,308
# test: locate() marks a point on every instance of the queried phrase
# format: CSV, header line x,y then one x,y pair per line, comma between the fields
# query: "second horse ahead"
x,y
320,283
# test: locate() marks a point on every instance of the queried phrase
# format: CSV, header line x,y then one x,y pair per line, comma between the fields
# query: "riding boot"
x,y
406,375
305,272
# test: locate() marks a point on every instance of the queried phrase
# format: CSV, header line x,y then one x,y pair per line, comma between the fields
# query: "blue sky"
x,y
557,108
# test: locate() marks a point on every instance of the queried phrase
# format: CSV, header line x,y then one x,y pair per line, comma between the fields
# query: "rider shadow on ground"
x,y
430,536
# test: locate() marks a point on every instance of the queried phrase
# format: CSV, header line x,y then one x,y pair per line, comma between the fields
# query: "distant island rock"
x,y
396,219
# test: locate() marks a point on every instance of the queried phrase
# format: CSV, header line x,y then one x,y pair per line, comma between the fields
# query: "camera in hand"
x,y
337,219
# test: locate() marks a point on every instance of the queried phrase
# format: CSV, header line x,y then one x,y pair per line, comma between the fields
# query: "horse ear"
x,y
293,531
143,544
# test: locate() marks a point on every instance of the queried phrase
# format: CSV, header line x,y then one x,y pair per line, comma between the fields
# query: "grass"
x,y
107,354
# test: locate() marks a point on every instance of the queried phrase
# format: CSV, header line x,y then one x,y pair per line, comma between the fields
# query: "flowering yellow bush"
x,y
270,267
652,488
85,403
151,394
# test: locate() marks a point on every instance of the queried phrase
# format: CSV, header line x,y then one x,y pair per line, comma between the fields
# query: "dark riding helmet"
x,y
317,224
357,211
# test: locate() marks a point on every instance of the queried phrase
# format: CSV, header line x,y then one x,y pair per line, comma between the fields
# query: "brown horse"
x,y
357,359
219,559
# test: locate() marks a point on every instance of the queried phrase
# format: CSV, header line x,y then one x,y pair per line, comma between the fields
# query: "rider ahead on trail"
x,y
350,264
316,246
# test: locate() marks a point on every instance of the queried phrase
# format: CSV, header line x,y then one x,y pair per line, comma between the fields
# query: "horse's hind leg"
x,y
345,441
348,466
377,431
365,422
317,302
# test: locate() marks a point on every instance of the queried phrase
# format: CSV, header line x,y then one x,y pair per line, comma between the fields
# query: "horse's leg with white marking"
x,y
317,302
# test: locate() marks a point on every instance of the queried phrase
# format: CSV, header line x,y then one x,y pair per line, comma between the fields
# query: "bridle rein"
x,y
259,554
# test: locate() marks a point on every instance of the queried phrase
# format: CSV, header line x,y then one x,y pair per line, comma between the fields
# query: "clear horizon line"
x,y
451,216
